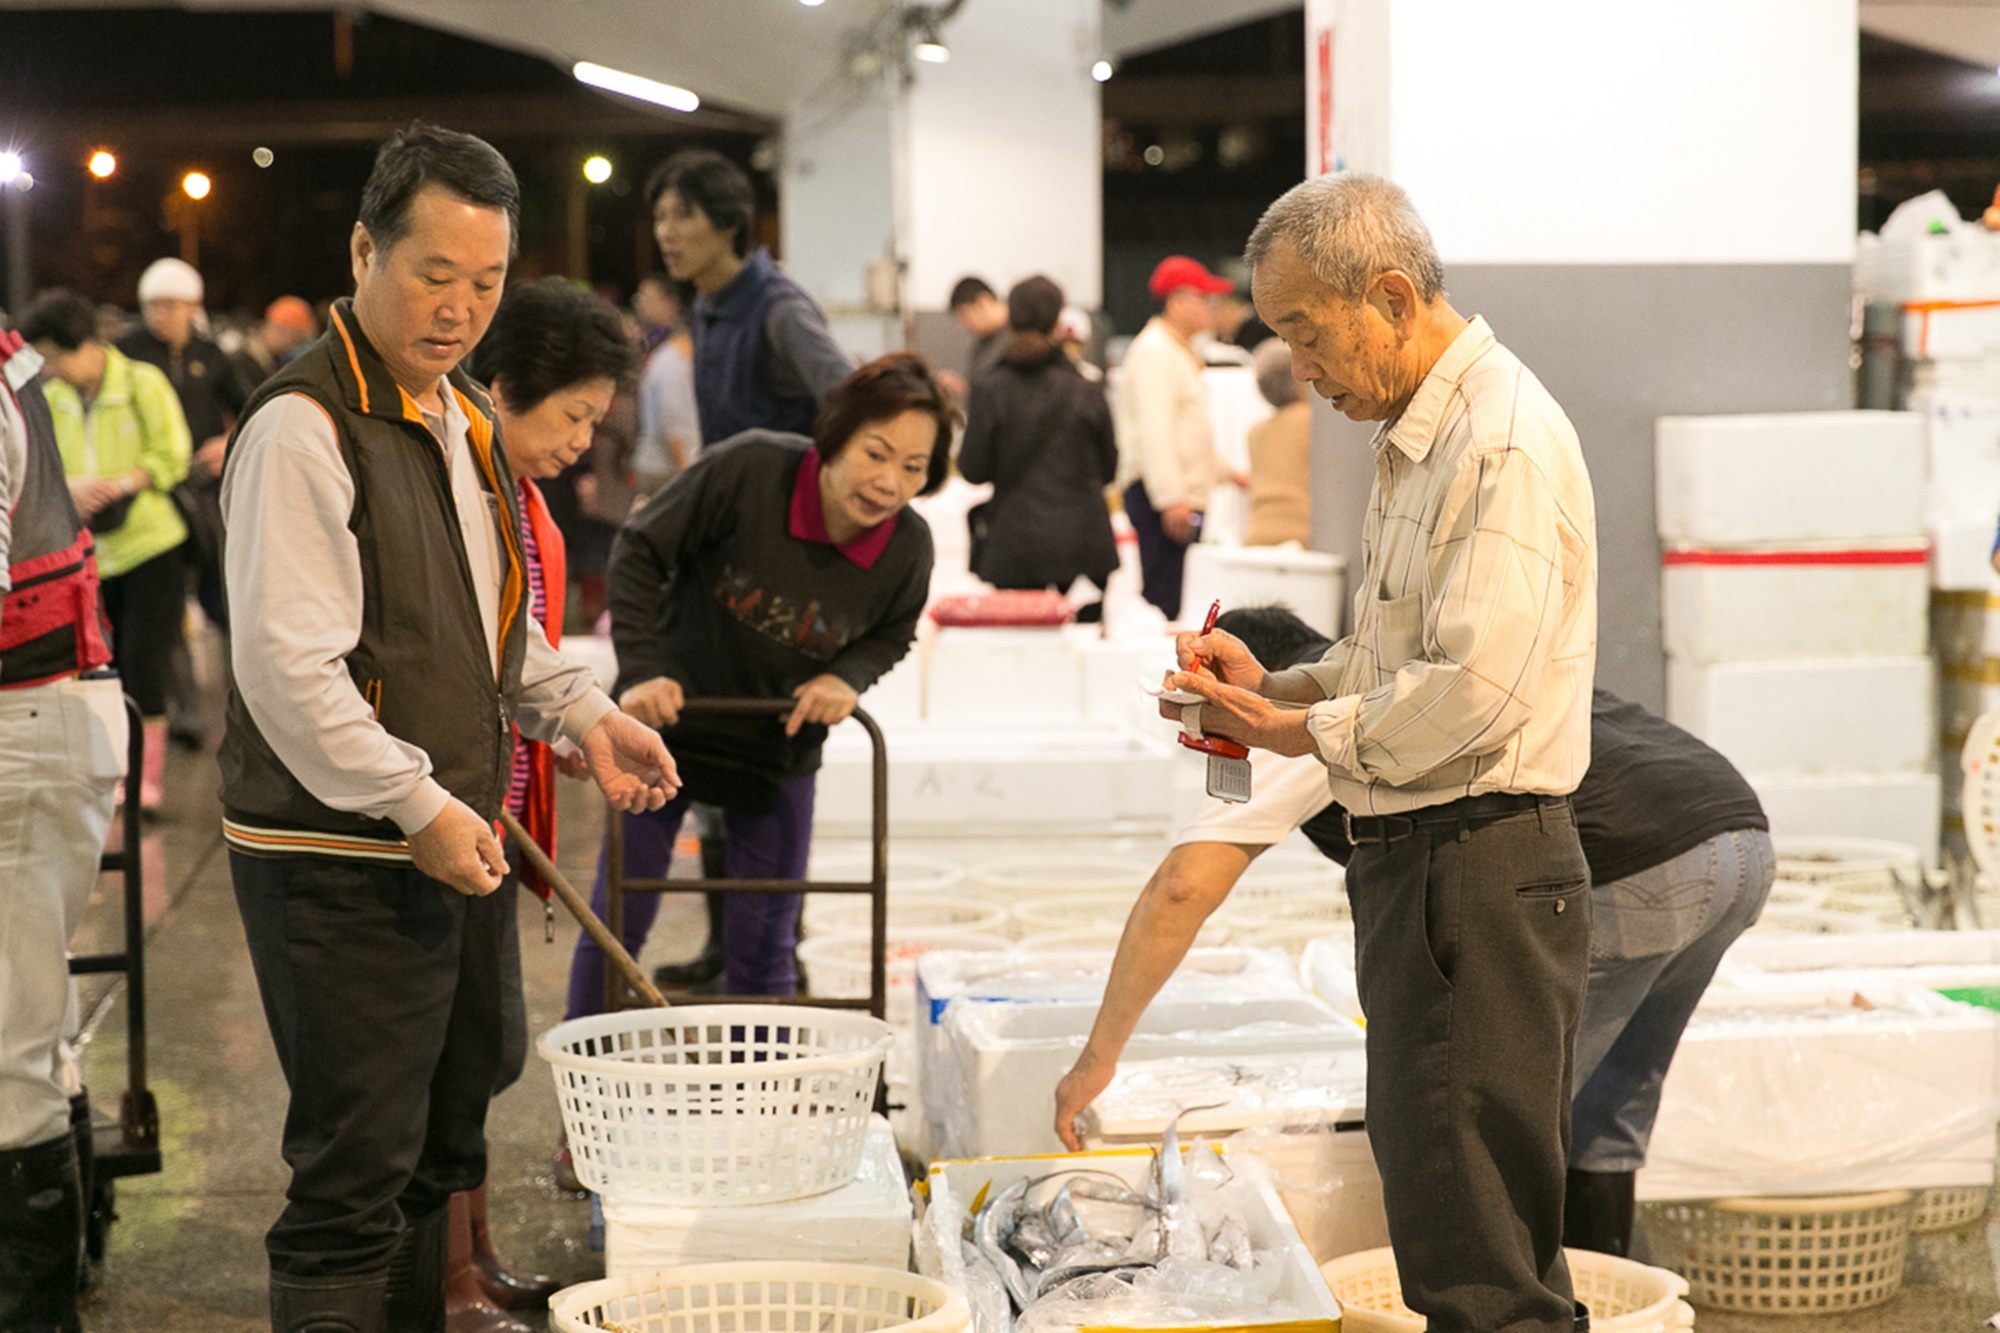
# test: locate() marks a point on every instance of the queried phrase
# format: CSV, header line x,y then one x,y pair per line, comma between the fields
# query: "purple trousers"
x,y
760,931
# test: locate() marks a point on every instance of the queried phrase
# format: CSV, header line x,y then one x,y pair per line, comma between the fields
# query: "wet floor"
x,y
186,1252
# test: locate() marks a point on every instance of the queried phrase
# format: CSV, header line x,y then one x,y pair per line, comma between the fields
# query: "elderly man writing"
x,y
1453,724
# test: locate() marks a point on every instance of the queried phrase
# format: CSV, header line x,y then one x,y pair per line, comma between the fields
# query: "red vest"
x,y
51,625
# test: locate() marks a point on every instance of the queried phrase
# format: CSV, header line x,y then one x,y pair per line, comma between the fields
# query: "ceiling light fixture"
x,y
11,167
1102,70
668,95
103,164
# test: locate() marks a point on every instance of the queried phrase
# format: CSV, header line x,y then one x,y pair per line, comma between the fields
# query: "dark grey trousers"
x,y
1472,939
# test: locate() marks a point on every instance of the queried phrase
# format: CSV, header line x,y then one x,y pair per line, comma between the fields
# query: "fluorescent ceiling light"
x,y
932,51
632,85
11,167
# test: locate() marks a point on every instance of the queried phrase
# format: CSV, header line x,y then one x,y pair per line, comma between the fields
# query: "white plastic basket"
x,y
909,872
1949,1209
1623,1296
716,1104
838,965
1290,934
843,913
1009,879
1215,933
1850,865
1795,893
762,1298
1787,1256
1815,921
1105,910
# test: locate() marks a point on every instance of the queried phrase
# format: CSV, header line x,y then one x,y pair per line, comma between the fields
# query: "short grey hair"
x,y
1272,362
1350,228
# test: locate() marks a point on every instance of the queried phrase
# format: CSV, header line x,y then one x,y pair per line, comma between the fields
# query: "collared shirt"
x,y
1470,667
806,521
1163,426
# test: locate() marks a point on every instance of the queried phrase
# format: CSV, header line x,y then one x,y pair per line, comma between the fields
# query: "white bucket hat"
x,y
170,280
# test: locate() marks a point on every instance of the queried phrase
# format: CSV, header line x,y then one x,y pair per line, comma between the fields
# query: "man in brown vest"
x,y
383,656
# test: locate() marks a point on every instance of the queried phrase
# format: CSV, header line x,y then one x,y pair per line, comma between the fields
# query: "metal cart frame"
x,y
618,995
129,1146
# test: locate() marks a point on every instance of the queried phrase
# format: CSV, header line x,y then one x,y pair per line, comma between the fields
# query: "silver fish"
x,y
1231,1246
1180,1230
995,1227
1064,1225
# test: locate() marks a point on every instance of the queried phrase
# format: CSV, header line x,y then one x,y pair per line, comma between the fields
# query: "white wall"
x,y
838,205
1000,155
1586,132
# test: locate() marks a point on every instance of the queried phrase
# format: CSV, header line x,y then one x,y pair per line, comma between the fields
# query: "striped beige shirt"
x,y
1469,670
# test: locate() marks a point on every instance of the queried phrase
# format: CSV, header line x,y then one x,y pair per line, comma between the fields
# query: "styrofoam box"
x,y
946,978
1301,1116
1302,1302
978,676
1958,266
1820,715
595,652
1795,1090
1311,583
1962,555
1026,779
1962,443
1793,477
1960,704
1897,807
1869,601
1779,951
864,1222
996,1082
1952,333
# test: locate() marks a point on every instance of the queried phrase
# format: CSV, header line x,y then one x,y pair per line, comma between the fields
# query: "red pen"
x,y
1228,762
1207,628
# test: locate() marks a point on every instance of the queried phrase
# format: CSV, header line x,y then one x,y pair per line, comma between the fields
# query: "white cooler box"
x,y
1750,606
1962,552
1825,715
1789,477
1792,1090
973,676
1895,807
1951,331
865,1222
1311,583
1082,778
994,1091
1301,1116
1302,1302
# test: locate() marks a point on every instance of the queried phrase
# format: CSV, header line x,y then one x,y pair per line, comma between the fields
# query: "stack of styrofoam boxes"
x,y
1948,287
1794,600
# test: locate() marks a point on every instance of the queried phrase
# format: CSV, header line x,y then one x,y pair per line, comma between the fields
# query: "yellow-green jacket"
x,y
135,421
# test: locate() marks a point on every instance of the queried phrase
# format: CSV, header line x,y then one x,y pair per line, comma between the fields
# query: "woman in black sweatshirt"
x,y
776,567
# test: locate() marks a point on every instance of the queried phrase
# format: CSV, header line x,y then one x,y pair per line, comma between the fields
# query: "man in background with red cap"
x,y
1163,428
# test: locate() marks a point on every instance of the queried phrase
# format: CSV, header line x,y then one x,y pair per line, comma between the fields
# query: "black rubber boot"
x,y
1597,1211
416,1275
1582,1318
707,966
85,1134
329,1304
41,1237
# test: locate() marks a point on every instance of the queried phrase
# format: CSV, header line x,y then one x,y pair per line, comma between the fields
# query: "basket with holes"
x,y
1867,875
1787,1256
1949,1209
1104,935
1290,934
912,878
1623,1296
716,1104
1292,885
838,965
842,914
1009,879
773,1297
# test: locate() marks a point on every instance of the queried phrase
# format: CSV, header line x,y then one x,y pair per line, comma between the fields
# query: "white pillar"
x,y
989,163
1654,205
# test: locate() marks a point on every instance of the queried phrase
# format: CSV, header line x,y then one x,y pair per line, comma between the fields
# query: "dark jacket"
x,y
212,393
763,356
1041,433
423,658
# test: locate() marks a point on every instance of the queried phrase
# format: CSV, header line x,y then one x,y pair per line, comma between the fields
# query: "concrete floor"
x,y
186,1252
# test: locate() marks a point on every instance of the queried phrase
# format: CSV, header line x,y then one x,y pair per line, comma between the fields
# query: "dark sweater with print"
x,y
709,587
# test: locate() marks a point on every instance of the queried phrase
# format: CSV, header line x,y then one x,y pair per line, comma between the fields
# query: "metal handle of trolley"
x,y
623,972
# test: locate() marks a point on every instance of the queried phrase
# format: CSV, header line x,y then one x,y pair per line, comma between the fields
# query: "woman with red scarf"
x,y
554,358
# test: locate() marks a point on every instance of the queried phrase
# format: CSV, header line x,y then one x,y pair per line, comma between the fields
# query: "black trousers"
x,y
1472,939
1162,560
144,606
384,993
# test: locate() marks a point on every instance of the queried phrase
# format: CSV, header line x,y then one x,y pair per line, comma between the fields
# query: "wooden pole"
x,y
580,908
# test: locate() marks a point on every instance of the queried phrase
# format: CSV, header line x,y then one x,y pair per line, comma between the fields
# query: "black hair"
x,y
967,290
883,390
1274,635
1033,307
62,317
714,185
418,155
549,335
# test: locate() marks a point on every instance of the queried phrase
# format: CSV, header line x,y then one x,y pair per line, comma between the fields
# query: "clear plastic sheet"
x,y
1828,1090
943,1253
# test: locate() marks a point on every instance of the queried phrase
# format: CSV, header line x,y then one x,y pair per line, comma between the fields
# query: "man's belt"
x,y
1363,830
